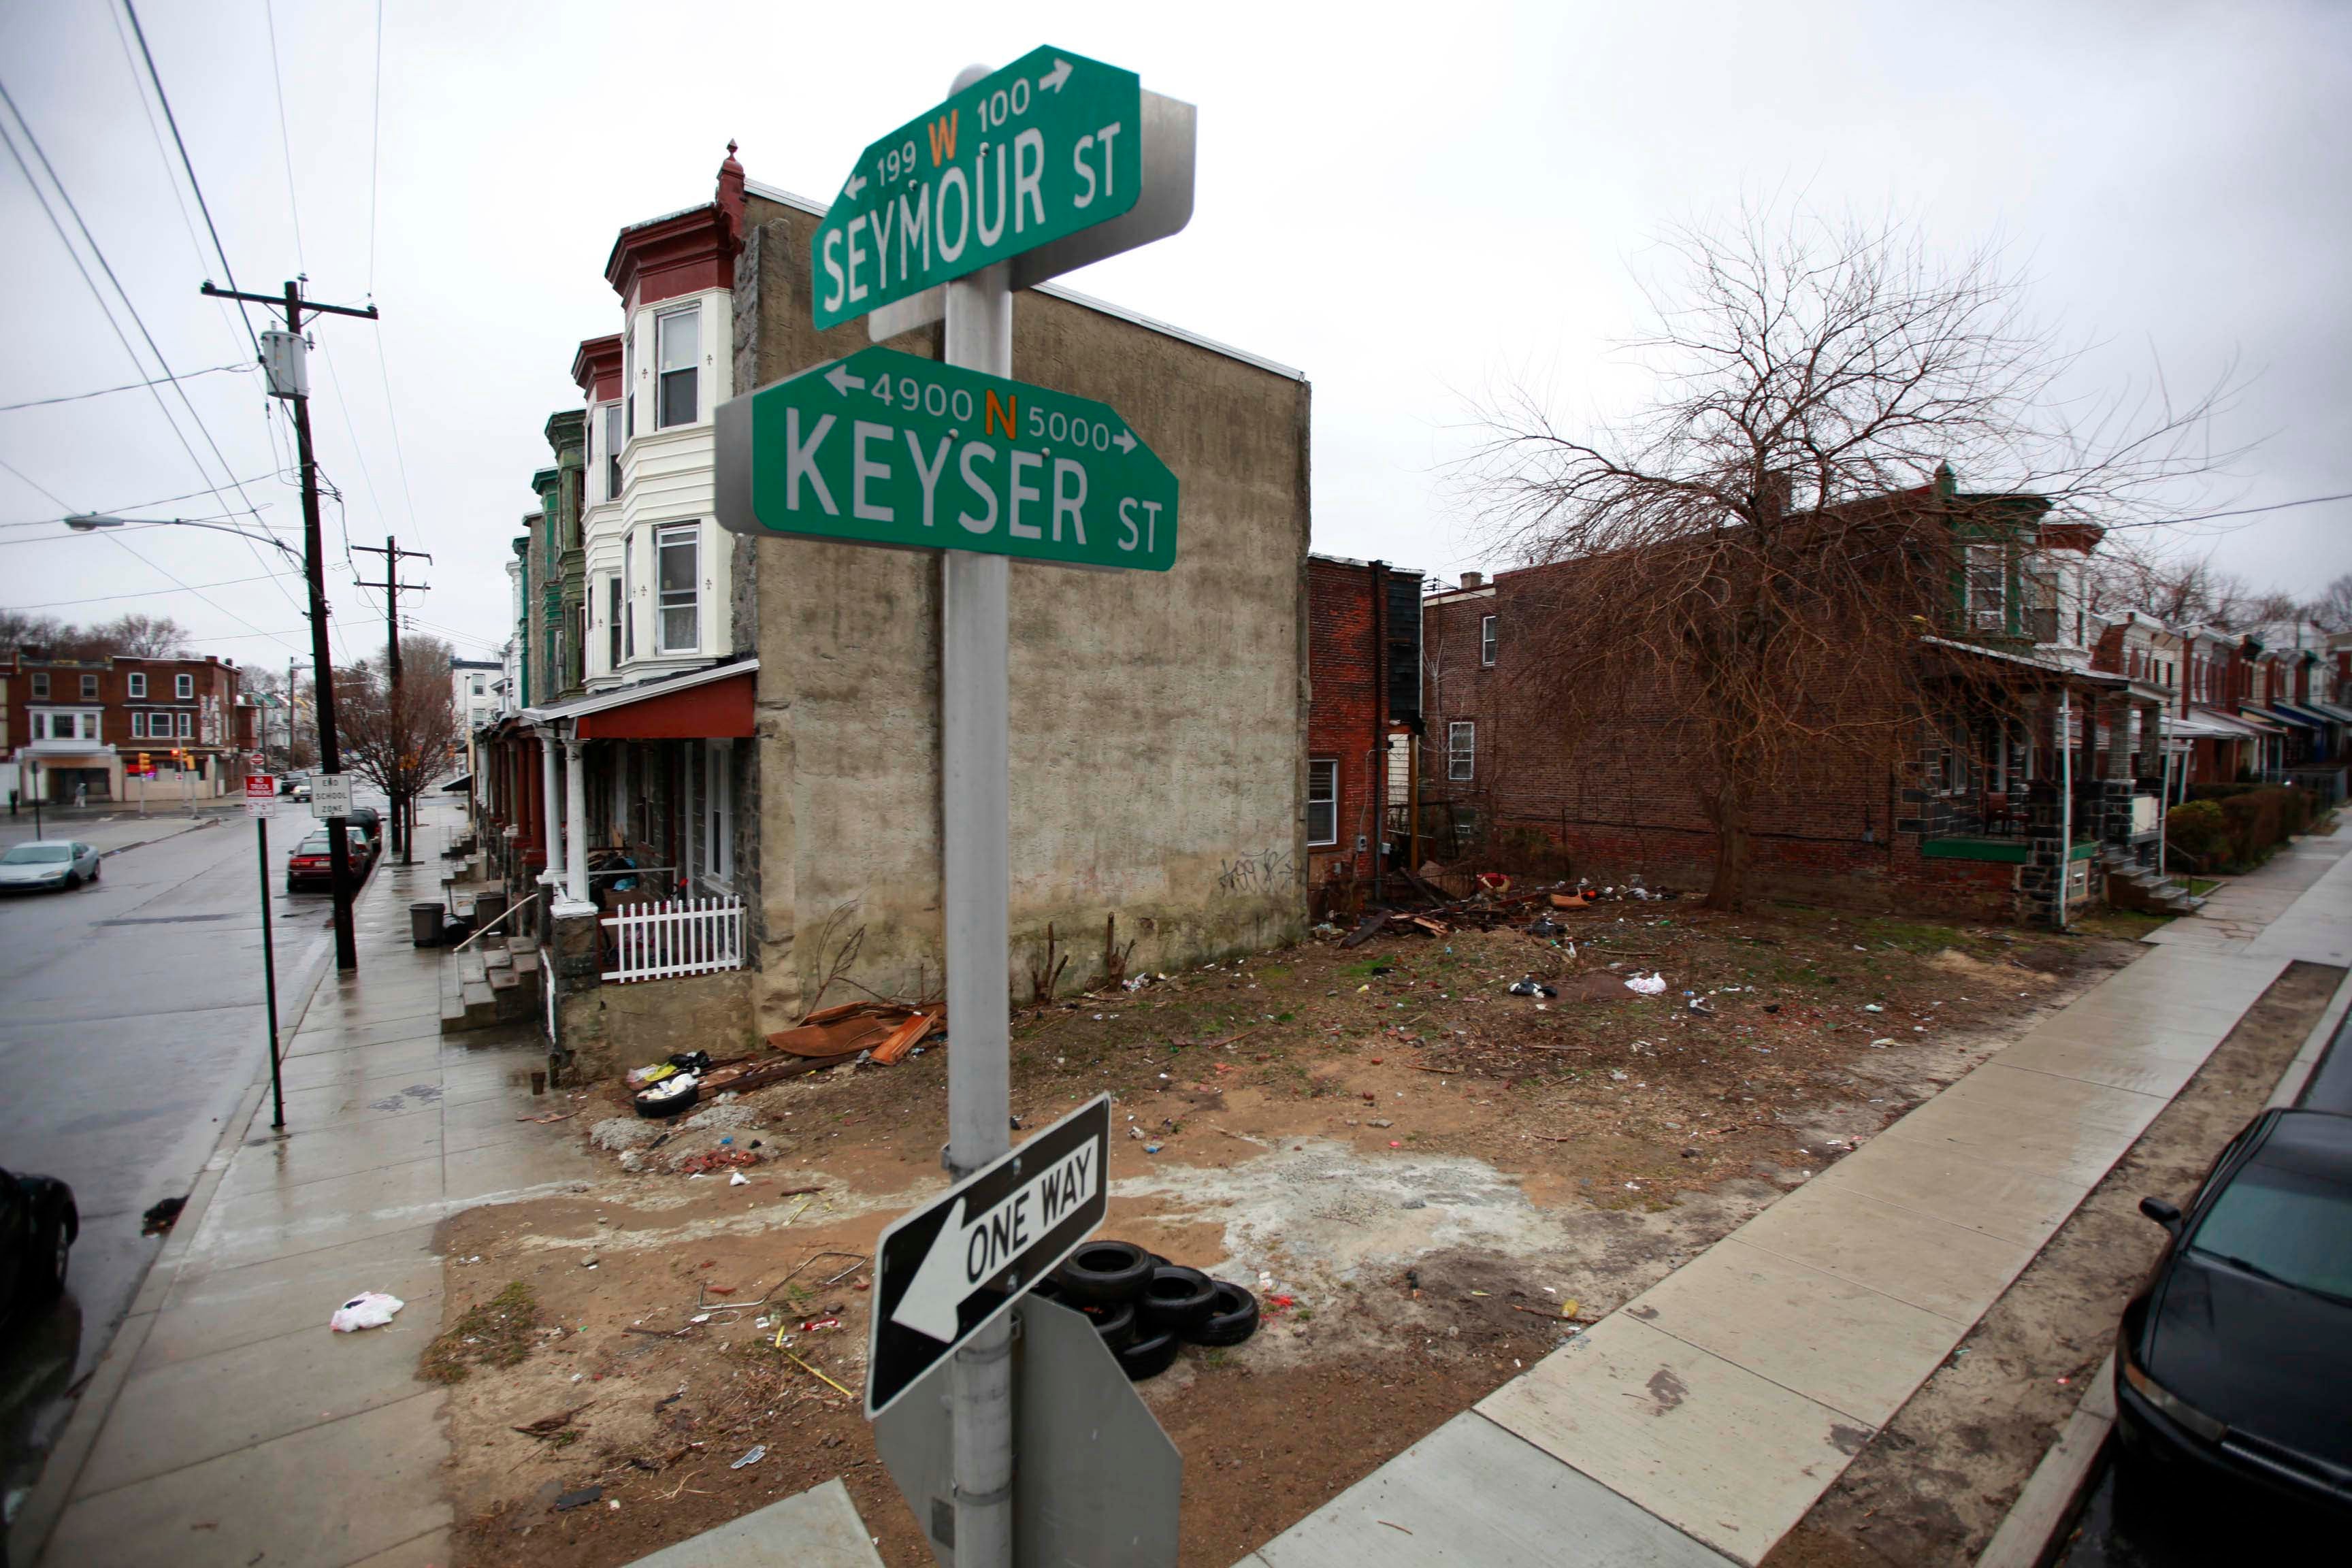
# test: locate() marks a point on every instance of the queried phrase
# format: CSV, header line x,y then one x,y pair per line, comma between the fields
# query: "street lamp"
x,y
90,522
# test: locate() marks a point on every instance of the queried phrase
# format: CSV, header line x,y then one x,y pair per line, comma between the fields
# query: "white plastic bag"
x,y
1647,985
368,1309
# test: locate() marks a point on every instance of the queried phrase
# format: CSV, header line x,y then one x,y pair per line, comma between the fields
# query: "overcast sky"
x,y
1411,207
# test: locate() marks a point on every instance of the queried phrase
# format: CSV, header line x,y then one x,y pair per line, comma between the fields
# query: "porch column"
x,y
2152,740
575,837
551,794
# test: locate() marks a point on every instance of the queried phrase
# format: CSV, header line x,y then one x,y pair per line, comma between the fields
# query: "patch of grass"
x,y
1914,936
2201,886
1274,974
496,1332
2125,925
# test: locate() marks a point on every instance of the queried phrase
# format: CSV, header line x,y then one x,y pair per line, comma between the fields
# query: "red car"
x,y
310,865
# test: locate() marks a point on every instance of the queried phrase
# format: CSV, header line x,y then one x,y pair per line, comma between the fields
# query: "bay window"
x,y
611,451
612,623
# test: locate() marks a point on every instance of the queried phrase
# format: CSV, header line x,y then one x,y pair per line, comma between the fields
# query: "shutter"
x,y
1403,651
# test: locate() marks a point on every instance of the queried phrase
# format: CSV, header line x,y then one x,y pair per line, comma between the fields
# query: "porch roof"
x,y
2062,673
2203,727
2228,726
712,704
2282,712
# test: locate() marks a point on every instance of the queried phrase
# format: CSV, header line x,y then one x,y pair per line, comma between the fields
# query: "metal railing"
x,y
511,910
667,938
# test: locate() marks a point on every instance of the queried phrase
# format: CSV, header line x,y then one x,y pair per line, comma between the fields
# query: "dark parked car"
x,y
2233,1364
310,864
38,1224
370,821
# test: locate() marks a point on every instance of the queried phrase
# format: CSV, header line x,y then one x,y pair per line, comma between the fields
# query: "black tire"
x,y
1148,1357
1115,1324
1232,1316
1104,1273
1177,1300
95,867
73,880
57,1248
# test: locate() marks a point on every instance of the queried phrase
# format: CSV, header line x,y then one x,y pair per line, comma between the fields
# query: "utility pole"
x,y
283,359
403,833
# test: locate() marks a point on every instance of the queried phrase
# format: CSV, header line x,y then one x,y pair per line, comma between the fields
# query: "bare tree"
x,y
144,636
1747,566
2333,608
400,747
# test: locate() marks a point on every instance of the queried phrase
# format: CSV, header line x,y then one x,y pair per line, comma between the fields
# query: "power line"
x,y
99,254
106,598
2251,511
118,510
375,146
126,386
285,142
199,593
32,483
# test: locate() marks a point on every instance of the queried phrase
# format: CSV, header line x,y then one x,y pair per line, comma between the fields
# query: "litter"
x,y
1531,986
368,1309
751,1456
1646,984
739,1180
567,1501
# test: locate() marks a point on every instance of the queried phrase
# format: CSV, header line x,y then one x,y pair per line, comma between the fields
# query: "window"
x,y
1323,802
718,820
1988,587
478,688
41,683
629,380
677,553
611,451
678,337
183,687
138,725
1486,640
90,687
1461,750
138,683
628,603
612,623
187,726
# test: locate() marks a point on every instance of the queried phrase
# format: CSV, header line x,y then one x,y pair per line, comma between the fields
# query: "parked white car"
x,y
47,863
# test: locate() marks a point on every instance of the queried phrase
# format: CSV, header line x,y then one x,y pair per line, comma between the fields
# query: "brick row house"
x,y
76,729
1363,727
1977,820
751,723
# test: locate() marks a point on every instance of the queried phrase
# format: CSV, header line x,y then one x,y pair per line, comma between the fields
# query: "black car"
x,y
2233,1364
38,1224
370,821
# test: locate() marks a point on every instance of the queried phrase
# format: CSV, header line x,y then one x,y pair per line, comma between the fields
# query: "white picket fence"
x,y
679,936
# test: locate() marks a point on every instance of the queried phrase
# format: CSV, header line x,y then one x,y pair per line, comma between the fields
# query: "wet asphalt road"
x,y
131,1018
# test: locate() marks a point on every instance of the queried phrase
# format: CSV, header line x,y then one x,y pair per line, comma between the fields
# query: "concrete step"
x,y
504,979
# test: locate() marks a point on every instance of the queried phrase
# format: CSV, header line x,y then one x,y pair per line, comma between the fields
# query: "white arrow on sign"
x,y
843,381
1053,80
856,184
972,1249
1124,440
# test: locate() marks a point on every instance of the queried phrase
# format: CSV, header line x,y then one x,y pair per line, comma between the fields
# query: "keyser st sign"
x,y
947,1269
1049,145
885,448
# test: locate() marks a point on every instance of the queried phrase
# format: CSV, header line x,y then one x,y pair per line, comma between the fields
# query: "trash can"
x,y
424,924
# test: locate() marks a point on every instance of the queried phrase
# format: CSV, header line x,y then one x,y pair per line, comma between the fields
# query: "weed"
x,y
496,1332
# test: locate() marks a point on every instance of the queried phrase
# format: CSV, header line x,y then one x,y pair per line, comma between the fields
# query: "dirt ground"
x,y
1419,1173
1937,1482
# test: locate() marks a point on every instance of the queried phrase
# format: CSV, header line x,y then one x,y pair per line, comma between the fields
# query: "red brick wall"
x,y
1343,670
1630,797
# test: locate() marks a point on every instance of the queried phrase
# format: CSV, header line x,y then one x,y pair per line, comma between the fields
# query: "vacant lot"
x,y
1430,1179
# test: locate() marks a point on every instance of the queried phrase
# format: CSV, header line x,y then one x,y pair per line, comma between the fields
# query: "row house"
x,y
76,727
1975,821
720,760
2253,705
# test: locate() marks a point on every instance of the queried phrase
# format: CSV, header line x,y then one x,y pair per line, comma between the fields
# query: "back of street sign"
x,y
1049,145
1099,1481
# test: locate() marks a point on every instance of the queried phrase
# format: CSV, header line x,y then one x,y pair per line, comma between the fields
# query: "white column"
x,y
553,791
575,837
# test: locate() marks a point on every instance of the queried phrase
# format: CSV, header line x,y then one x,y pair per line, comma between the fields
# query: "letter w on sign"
x,y
948,1269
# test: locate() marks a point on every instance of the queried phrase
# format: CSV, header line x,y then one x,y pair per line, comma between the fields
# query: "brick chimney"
x,y
1474,579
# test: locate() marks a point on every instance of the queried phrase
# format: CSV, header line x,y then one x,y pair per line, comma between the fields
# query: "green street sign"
x,y
1051,145
887,448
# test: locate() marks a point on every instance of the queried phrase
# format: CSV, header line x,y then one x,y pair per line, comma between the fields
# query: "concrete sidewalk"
x,y
1700,1422
227,1425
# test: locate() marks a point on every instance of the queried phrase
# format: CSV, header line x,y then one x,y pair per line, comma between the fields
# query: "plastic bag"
x,y
1647,985
368,1309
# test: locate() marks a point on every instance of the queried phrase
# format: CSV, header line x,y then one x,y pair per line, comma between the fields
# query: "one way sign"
x,y
947,1269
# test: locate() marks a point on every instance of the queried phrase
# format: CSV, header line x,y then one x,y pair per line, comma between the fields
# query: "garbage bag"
x,y
368,1309
1647,985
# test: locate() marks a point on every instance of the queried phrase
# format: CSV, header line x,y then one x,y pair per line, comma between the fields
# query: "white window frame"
x,y
187,725
628,597
41,685
1461,751
89,688
1979,558
138,723
183,687
717,825
608,420
138,687
666,537
1487,642
1325,770
662,371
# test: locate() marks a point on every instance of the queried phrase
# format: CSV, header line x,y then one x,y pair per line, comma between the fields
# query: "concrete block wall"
x,y
1158,719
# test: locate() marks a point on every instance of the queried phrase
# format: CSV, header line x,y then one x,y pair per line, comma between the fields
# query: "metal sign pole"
x,y
977,865
270,972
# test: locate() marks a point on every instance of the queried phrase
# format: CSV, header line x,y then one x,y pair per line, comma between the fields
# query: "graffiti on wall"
x,y
1273,871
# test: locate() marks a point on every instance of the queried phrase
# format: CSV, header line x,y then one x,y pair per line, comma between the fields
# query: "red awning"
x,y
708,710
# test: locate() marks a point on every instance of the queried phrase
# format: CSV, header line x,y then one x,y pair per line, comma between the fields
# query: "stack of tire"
x,y
1146,1309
